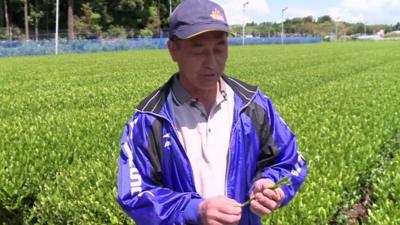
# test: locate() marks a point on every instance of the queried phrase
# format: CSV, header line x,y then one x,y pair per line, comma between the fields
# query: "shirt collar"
x,y
222,88
181,96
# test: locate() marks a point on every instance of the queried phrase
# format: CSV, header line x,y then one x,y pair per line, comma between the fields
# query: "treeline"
x,y
88,19
308,26
35,19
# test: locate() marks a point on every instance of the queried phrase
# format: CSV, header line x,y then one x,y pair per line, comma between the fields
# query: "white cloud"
x,y
370,5
368,11
342,14
254,10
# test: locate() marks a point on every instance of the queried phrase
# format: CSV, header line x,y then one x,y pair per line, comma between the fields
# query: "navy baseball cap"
x,y
194,17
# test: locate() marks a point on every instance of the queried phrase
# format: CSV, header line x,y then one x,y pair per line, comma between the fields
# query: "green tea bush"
x,y
61,119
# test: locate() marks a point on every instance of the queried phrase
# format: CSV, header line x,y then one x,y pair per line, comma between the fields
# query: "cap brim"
x,y
192,31
204,31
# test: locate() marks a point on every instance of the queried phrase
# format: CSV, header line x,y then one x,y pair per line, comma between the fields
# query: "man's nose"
x,y
210,60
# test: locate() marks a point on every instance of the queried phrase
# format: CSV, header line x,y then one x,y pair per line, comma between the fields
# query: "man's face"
x,y
201,59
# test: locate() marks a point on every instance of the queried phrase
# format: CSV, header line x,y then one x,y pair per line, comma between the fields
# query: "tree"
x,y
294,21
325,28
36,15
122,18
265,29
397,26
153,19
89,23
359,28
1,14
127,13
308,19
71,19
324,19
26,17
6,17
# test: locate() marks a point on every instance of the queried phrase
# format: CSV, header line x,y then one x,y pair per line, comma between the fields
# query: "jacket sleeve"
x,y
140,191
286,160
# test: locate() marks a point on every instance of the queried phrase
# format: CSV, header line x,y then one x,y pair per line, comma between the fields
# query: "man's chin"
x,y
209,82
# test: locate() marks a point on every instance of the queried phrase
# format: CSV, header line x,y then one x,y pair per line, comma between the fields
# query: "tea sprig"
x,y
280,183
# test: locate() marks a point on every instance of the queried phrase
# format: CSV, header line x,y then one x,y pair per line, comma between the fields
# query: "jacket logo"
x,y
297,167
217,15
136,180
167,143
134,175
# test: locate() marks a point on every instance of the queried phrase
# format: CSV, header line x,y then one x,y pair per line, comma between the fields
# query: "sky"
x,y
364,11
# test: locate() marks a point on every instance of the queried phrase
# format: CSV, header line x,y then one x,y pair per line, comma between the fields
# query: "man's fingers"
x,y
235,206
232,209
272,195
214,223
228,219
266,201
220,210
281,194
261,185
232,202
259,209
230,213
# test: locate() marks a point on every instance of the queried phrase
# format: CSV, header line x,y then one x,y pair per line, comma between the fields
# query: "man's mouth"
x,y
209,74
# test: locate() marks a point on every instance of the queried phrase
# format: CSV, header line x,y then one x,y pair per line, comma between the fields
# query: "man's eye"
x,y
219,50
197,51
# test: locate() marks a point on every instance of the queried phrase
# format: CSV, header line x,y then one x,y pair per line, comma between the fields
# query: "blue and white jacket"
x,y
155,181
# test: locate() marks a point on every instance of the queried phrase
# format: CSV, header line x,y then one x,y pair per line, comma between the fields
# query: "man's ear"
x,y
172,49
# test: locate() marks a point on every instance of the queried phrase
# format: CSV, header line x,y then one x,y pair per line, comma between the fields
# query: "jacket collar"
x,y
244,90
156,100
180,95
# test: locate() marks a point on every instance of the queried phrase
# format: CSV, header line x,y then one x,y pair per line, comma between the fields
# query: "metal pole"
x,y
365,28
170,8
336,31
283,29
244,22
336,28
361,18
56,35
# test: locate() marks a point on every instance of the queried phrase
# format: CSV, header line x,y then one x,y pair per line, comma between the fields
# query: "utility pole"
x,y
361,18
365,28
283,21
244,22
336,28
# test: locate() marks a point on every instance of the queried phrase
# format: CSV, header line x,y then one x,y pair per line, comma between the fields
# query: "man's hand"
x,y
220,210
266,200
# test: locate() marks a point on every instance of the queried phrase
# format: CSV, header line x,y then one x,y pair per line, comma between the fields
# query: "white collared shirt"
x,y
206,139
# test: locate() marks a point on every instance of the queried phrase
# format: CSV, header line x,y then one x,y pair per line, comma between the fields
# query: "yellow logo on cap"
x,y
217,15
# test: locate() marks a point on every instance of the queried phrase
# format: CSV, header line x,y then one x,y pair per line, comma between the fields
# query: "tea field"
x,y
61,118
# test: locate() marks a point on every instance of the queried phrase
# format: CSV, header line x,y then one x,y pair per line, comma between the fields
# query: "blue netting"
x,y
45,47
274,40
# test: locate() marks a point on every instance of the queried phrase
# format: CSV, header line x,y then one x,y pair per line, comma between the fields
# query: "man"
x,y
204,143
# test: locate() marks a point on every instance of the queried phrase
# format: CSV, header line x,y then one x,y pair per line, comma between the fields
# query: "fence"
x,y
46,47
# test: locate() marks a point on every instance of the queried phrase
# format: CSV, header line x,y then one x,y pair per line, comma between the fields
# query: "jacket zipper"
x,y
230,144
